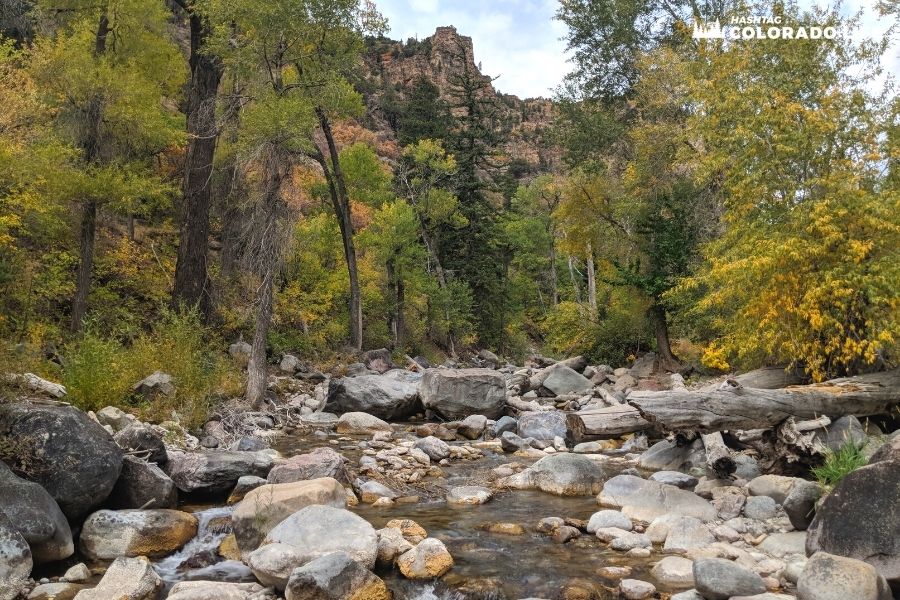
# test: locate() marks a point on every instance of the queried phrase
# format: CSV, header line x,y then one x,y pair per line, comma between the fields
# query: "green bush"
x,y
838,465
97,371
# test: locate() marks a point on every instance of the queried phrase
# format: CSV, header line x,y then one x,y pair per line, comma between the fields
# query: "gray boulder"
x,y
510,442
143,485
15,560
437,450
646,500
388,398
158,383
800,505
360,423
472,427
687,534
108,534
676,478
218,590
379,360
214,472
860,519
543,426
321,462
563,380
139,438
830,577
560,474
720,579
504,424
36,516
126,579
70,455
457,393
667,456
335,576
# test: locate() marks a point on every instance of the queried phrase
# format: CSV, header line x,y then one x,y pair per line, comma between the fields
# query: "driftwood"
x,y
733,406
718,456
608,422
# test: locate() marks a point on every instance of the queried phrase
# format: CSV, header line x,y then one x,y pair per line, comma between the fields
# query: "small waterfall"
x,y
206,542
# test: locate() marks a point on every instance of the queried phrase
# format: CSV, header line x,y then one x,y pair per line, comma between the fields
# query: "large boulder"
x,y
63,450
307,534
646,500
143,485
35,514
861,519
15,560
321,462
720,579
360,423
389,398
544,425
218,590
266,506
560,474
126,579
457,393
830,577
108,534
668,456
138,438
563,380
335,576
215,472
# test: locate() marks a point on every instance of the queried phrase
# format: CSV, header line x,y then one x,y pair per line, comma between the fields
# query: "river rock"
x,y
266,506
630,541
244,485
157,383
321,462
608,518
457,393
543,426
138,438
307,534
215,472
635,589
667,456
409,529
674,572
15,560
143,485
504,424
687,534
784,544
560,474
776,487
218,590
78,572
436,450
373,491
472,427
510,442
335,576
720,579
391,544
890,450
427,560
126,579
36,516
469,494
108,534
646,500
830,577
676,478
385,397
115,418
72,456
860,519
360,423
760,508
562,380
845,430
56,591
378,360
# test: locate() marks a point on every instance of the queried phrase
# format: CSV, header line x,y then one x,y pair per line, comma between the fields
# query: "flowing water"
x,y
488,566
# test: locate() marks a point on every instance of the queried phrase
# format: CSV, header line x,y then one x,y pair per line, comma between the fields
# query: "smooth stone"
x,y
645,500
608,518
215,472
360,423
472,427
243,487
143,485
667,456
126,579
335,576
674,572
800,505
760,508
319,463
391,544
428,559
504,424
686,534
830,577
629,541
36,516
218,590
676,478
783,544
543,426
635,589
776,487
469,494
109,534
560,474
720,579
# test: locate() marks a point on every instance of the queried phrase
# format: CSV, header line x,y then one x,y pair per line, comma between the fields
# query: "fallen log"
x,y
718,456
607,422
733,406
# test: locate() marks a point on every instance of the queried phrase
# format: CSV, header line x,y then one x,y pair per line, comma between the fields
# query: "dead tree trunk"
x,y
608,422
733,407
718,456
668,360
591,280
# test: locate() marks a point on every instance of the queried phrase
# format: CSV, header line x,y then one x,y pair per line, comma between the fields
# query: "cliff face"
x,y
442,58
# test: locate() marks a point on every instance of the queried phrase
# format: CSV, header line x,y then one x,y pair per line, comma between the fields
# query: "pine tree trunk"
x,y
192,286
554,280
574,279
668,360
342,208
85,265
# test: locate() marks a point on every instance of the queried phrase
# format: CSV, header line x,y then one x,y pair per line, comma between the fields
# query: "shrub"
x,y
97,371
838,465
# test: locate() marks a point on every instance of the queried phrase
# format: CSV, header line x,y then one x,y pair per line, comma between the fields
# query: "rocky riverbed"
x,y
425,483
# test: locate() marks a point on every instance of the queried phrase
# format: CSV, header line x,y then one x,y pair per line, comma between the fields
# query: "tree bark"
x,y
668,360
341,201
718,456
554,279
256,368
574,279
192,286
609,422
733,406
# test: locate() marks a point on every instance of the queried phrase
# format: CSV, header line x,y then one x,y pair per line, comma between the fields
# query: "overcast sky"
x,y
519,41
